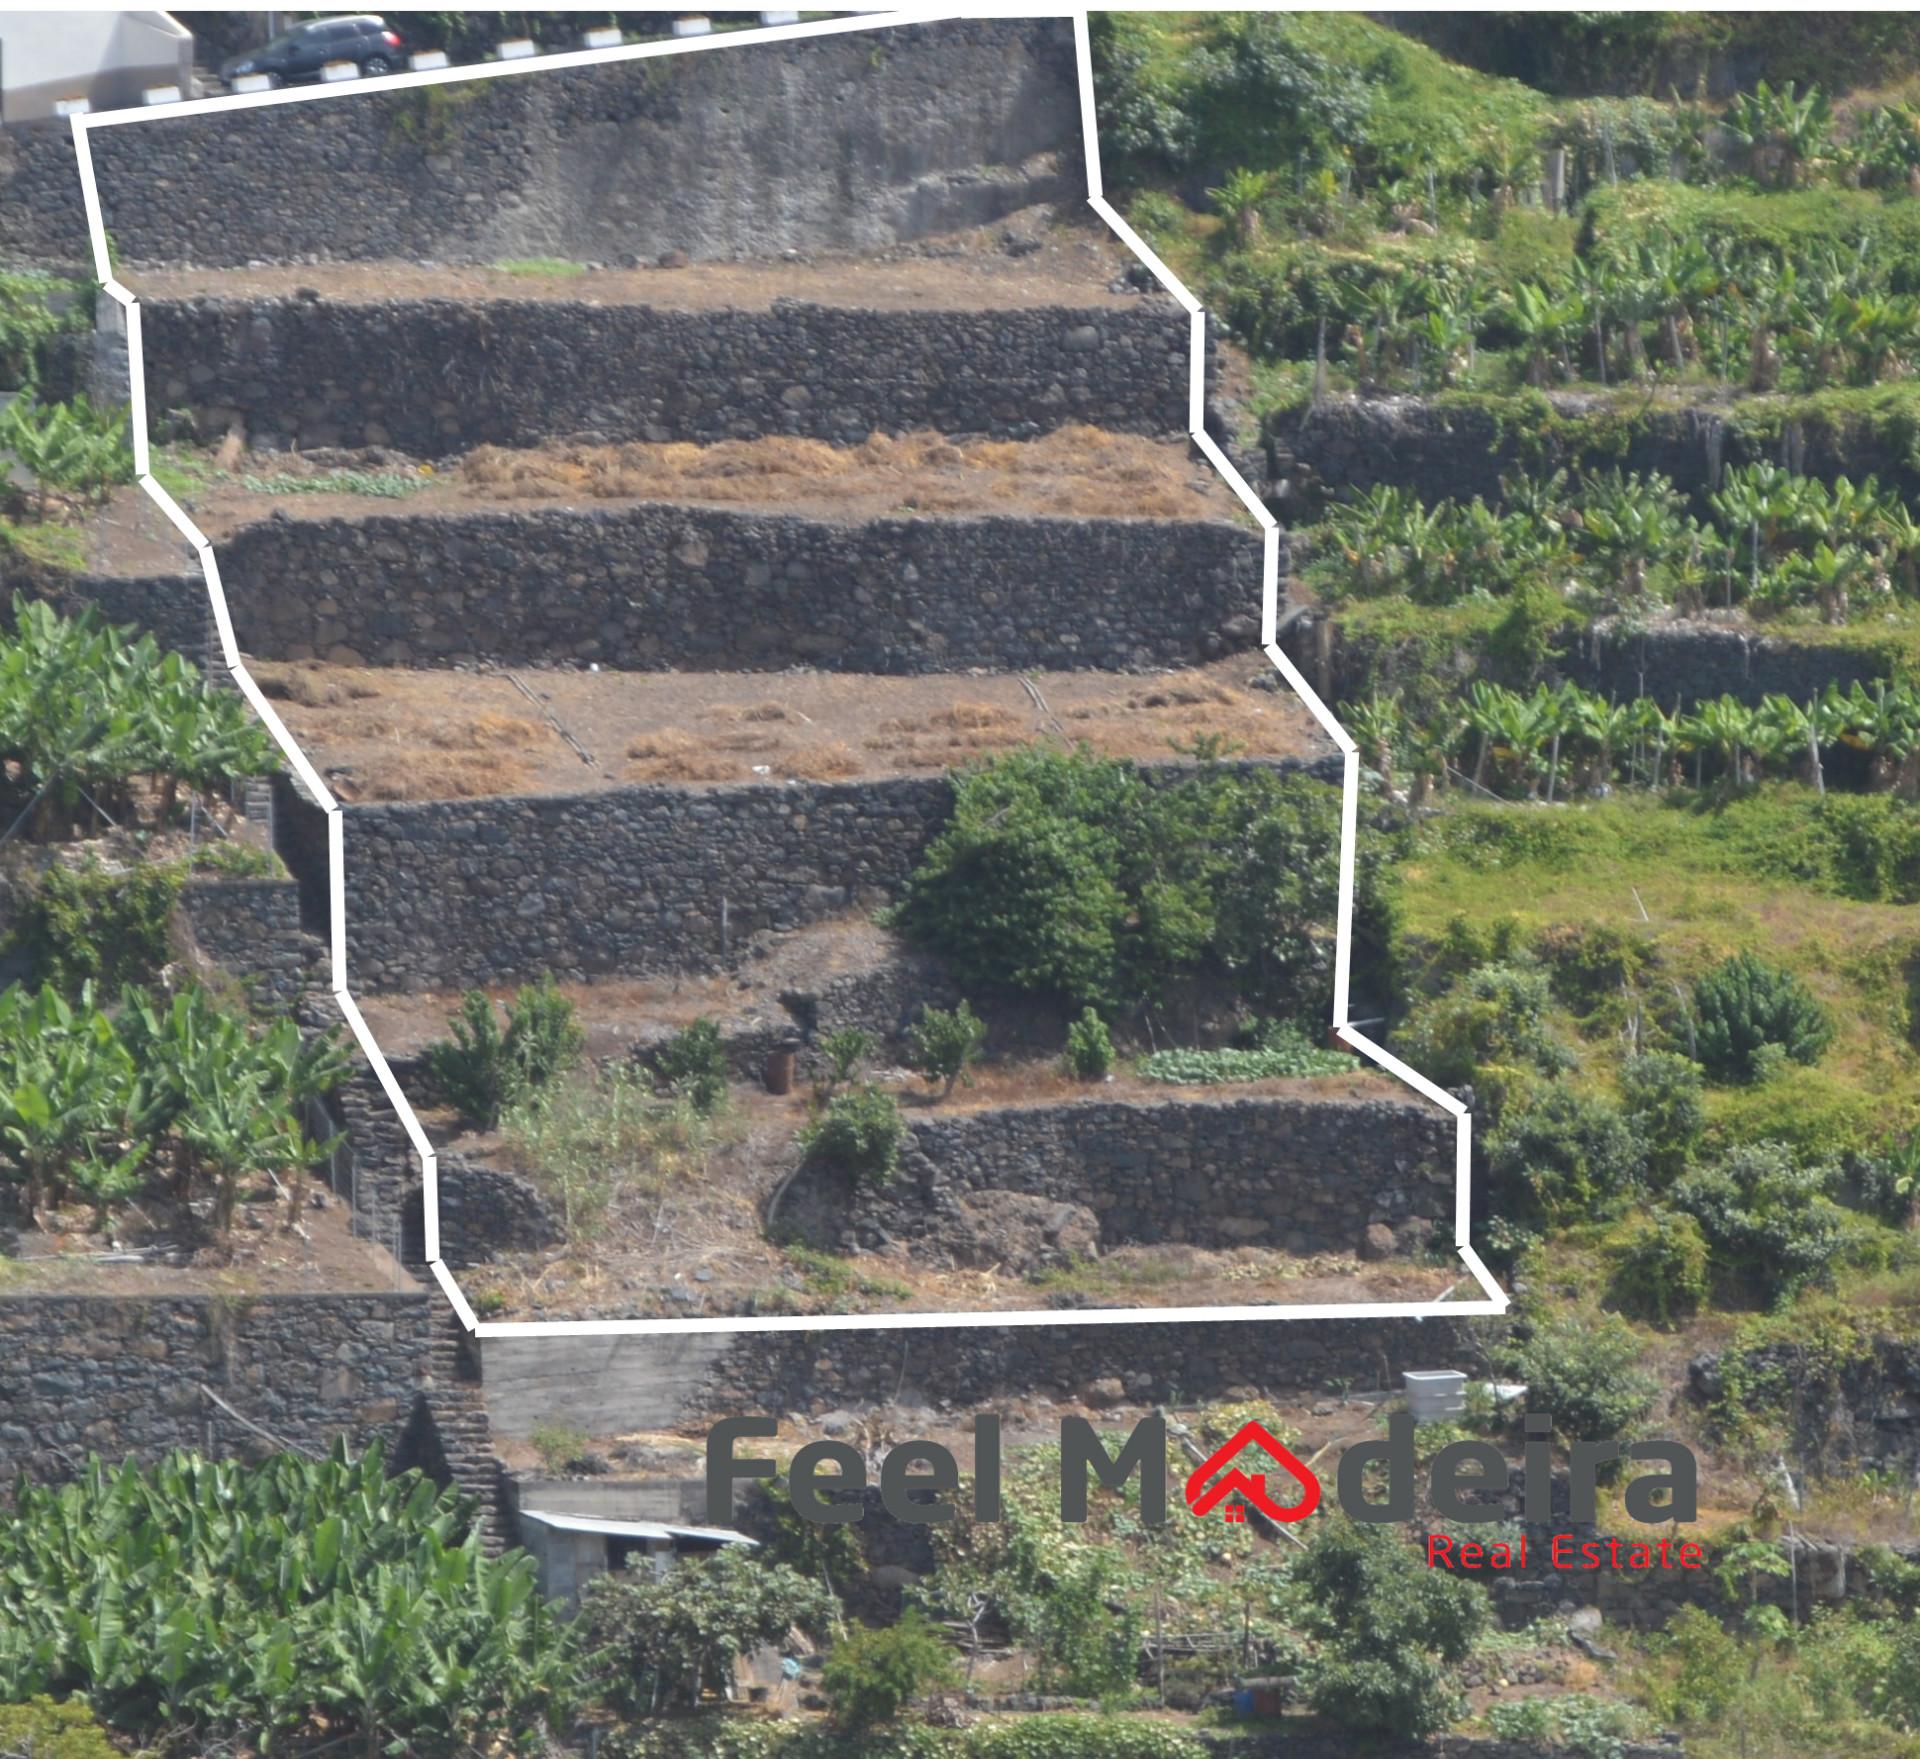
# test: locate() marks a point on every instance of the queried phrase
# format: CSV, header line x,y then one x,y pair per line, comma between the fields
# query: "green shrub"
x,y
1060,1735
558,1446
945,1044
658,1640
1592,1728
543,1037
861,1132
1660,1272
873,1675
693,1064
43,1729
1561,1154
89,925
1086,1636
1089,1048
1745,1004
484,1069
1073,876
1496,1015
1585,1374
1664,1099
1392,1633
1768,1220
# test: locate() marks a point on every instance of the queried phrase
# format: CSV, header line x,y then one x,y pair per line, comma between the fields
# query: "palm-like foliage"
x,y
68,448
257,1600
1553,737
91,1102
85,712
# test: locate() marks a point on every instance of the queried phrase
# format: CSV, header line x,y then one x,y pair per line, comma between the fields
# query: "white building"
x,y
108,59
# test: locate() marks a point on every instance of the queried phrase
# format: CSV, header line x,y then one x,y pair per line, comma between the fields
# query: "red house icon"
x,y
1205,1492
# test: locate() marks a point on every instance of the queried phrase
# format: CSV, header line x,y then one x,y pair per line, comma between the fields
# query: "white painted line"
x,y
1495,1299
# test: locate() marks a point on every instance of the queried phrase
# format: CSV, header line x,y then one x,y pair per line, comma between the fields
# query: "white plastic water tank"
x,y
1436,1395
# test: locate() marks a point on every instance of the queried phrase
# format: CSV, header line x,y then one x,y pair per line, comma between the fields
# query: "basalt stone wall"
x,y
81,1375
437,376
251,929
485,1211
630,880
1438,448
839,143
656,587
1302,1174
1684,659
976,1365
1692,660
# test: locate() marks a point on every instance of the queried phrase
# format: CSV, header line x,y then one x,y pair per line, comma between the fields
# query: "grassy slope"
x,y
1712,883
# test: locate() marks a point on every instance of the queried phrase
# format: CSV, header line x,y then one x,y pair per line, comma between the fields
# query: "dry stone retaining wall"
x,y
654,587
437,376
81,1375
1460,448
839,143
631,880
1302,1174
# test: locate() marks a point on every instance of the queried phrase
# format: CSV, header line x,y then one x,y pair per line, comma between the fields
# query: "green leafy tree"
x,y
873,1676
655,1642
1390,1633
945,1044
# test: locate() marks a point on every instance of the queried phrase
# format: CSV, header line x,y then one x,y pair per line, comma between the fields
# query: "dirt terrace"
x,y
1023,261
383,733
1074,473
690,1237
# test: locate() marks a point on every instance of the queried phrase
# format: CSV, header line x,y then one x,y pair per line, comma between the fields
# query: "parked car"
x,y
301,52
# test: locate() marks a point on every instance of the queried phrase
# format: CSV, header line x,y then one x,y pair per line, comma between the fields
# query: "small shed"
x,y
573,1549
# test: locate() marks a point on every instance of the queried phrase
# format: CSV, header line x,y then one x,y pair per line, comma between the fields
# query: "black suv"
x,y
301,52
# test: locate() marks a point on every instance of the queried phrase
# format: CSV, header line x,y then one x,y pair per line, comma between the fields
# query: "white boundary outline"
x,y
1493,1298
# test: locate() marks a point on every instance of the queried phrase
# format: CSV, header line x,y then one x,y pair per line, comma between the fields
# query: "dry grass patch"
x,y
490,732
455,776
1076,471
673,756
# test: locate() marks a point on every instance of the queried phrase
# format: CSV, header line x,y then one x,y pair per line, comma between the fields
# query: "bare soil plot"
x,y
383,733
1024,260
